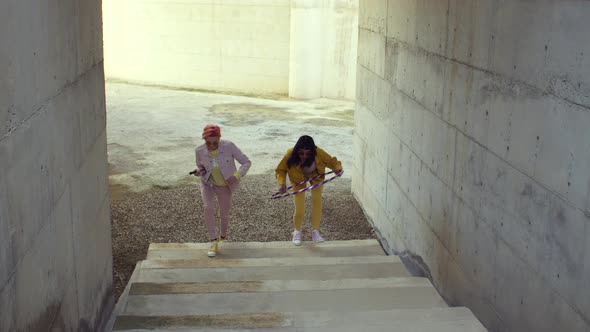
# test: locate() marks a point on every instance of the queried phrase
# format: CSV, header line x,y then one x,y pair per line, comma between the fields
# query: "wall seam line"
x,y
471,138
491,73
48,100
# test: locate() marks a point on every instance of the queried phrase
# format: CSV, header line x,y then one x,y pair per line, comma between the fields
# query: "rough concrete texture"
x,y
311,292
148,288
396,320
152,132
55,248
230,252
228,45
472,150
285,301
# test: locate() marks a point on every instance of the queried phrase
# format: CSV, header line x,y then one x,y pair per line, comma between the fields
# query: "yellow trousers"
x,y
316,208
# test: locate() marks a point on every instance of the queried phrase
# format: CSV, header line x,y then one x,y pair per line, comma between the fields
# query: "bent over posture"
x,y
302,162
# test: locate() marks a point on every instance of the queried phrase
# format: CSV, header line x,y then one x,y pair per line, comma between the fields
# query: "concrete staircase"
x,y
335,286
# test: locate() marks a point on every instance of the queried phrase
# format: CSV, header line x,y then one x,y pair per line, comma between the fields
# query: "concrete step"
x,y
321,268
236,250
400,320
122,301
146,288
347,300
206,262
275,286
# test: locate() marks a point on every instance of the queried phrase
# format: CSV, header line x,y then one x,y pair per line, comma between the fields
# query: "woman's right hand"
x,y
283,189
197,172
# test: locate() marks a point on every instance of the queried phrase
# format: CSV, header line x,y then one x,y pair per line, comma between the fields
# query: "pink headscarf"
x,y
211,130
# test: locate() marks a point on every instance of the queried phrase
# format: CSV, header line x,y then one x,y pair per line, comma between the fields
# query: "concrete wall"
x,y
55,245
472,151
340,49
234,45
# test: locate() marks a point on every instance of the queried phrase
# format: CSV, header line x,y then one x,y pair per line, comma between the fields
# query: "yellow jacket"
x,y
322,160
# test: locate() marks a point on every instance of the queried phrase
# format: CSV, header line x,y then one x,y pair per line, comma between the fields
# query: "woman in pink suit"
x,y
219,178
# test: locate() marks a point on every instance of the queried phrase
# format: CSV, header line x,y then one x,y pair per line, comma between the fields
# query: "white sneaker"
x,y
316,237
212,249
297,238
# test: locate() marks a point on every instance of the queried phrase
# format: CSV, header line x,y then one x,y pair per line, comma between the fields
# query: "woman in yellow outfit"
x,y
302,162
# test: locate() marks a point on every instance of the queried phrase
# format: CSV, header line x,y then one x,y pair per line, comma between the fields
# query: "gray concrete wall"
x,y
472,151
55,245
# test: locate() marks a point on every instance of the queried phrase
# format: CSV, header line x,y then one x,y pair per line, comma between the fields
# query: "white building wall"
x,y
246,46
215,45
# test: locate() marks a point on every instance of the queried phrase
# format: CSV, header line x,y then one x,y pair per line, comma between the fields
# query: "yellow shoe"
x,y
212,249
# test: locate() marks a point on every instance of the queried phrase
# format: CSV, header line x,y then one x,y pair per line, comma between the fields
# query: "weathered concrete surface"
x,y
292,301
401,320
267,261
237,253
152,132
310,272
55,248
139,288
472,150
310,293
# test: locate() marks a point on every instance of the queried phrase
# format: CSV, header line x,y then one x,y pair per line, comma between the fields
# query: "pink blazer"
x,y
226,157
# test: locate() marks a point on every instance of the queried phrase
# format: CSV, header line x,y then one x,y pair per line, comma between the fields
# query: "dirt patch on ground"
x,y
327,122
175,215
241,114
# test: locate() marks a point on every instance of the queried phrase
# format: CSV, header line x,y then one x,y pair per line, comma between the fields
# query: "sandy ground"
x,y
152,134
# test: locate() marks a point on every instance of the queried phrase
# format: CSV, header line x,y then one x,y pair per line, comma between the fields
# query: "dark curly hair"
x,y
304,142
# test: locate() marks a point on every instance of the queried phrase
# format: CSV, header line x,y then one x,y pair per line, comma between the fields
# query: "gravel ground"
x,y
175,215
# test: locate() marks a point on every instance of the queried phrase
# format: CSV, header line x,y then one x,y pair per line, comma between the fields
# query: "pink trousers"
x,y
223,195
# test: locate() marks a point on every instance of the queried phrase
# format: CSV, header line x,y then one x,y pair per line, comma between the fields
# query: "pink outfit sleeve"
x,y
244,161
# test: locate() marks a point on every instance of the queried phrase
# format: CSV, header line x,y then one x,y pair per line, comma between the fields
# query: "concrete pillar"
x,y
340,49
306,45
